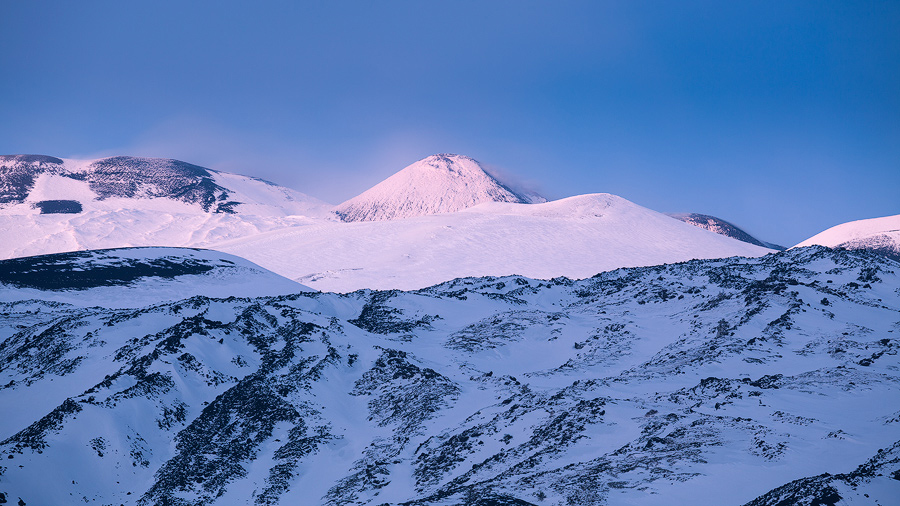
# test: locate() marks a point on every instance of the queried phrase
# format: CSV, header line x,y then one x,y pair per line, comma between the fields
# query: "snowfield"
x,y
575,237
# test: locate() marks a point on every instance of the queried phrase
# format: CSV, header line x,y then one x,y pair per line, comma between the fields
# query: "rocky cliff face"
x,y
728,381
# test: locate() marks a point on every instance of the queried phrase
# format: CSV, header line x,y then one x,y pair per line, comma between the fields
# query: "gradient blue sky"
x,y
782,117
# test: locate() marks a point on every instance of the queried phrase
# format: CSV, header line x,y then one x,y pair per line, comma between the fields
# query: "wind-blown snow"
x,y
575,237
878,234
437,184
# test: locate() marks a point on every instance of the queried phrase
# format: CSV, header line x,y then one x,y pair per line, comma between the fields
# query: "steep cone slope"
x,y
438,184
881,235
720,226
575,237
52,205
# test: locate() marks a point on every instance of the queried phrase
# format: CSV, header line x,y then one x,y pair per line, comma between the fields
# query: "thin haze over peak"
x,y
780,117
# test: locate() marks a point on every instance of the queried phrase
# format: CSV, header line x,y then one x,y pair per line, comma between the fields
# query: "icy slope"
x,y
135,277
714,382
876,234
575,237
720,226
438,184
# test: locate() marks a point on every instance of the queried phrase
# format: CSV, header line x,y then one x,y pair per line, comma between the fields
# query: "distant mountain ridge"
x,y
442,183
136,178
441,217
120,176
720,226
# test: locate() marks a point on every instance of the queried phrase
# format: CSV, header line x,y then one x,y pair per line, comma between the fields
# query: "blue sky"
x,y
782,117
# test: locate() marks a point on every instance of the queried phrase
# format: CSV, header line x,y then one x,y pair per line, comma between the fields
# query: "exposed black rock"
x,y
59,206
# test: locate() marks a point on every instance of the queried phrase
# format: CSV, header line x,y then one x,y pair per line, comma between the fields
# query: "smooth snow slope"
x,y
136,277
877,234
575,237
437,184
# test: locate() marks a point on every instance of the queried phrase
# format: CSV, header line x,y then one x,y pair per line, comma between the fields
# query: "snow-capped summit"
x,y
881,235
442,183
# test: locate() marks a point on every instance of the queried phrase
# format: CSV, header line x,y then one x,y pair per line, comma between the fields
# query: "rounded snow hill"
x,y
575,237
135,277
443,183
881,235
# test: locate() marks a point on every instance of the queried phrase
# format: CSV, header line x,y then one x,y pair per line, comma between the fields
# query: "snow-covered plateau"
x,y
740,381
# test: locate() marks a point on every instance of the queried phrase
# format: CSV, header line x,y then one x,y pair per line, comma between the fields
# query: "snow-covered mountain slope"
x,y
52,205
877,234
437,184
136,277
575,237
712,382
34,182
720,226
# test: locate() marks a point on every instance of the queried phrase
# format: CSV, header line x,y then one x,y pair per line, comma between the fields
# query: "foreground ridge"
x,y
647,385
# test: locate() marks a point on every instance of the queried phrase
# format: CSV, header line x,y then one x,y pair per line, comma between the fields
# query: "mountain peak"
x,y
440,183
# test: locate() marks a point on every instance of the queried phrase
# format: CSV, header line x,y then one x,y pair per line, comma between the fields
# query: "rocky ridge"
x,y
726,381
